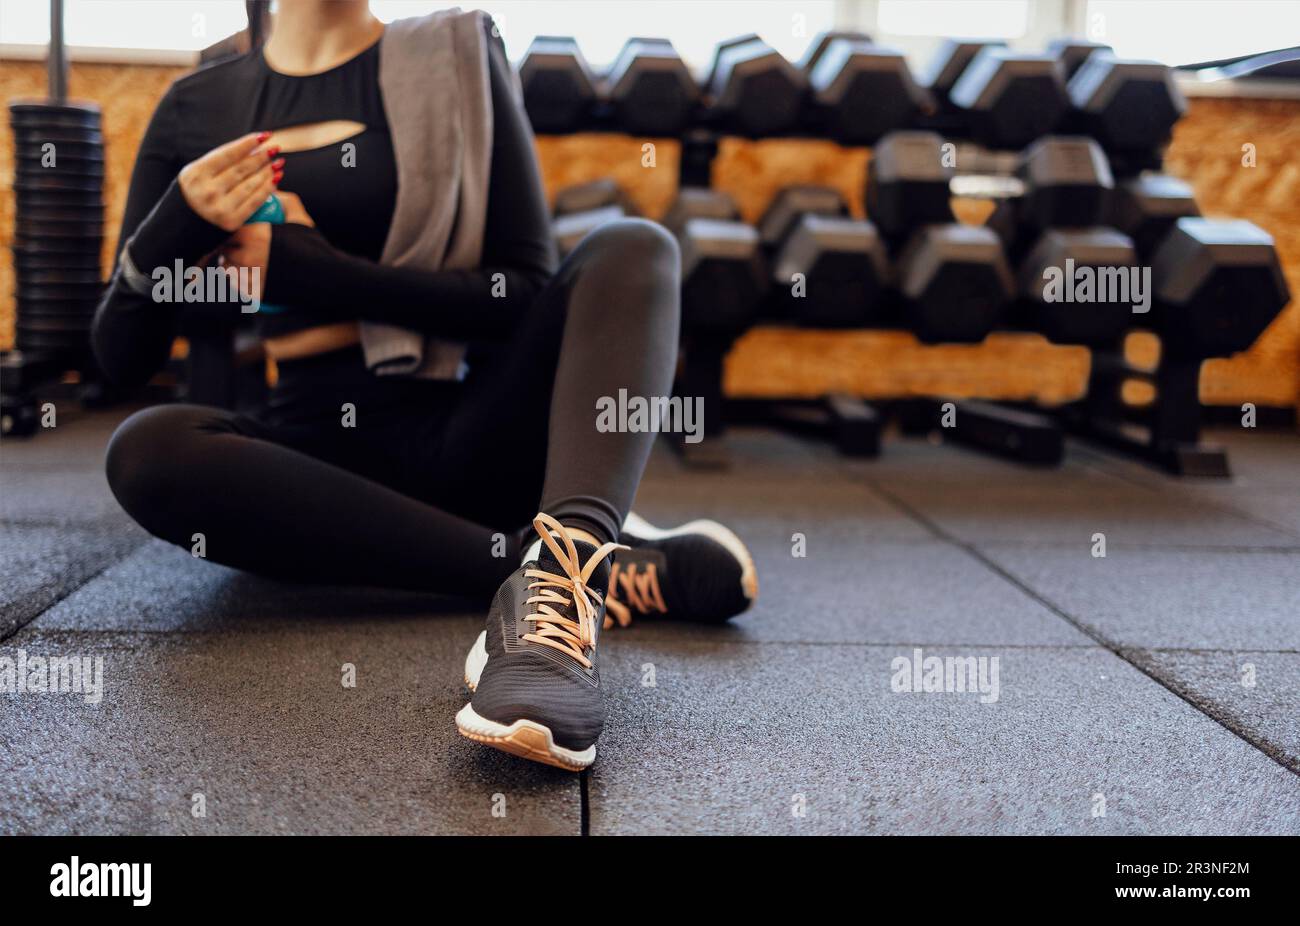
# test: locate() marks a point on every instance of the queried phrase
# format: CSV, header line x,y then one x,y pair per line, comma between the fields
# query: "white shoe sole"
x,y
635,524
524,738
475,661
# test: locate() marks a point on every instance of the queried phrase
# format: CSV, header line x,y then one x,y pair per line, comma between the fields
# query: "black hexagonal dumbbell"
x,y
955,283
699,203
860,90
594,194
1070,53
580,209
1130,107
1095,294
829,270
822,41
1066,182
908,183
1218,285
954,279
949,63
1147,207
1054,231
754,90
1008,99
723,275
650,89
558,86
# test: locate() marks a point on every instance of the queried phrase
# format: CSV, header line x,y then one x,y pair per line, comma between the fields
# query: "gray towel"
x,y
433,76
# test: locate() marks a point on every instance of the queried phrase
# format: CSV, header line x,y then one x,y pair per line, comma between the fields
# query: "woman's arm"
x,y
132,333
482,303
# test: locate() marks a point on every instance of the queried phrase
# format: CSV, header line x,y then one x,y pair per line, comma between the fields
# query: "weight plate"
x,y
26,105
63,342
35,147
54,326
23,261
27,113
31,163
32,309
72,293
71,313
59,229
36,246
77,199
77,172
61,277
41,214
59,184
25,138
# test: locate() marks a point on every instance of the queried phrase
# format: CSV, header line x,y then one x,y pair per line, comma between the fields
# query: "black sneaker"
x,y
697,572
536,689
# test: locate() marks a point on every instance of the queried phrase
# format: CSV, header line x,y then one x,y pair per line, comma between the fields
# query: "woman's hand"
x,y
294,211
226,185
249,247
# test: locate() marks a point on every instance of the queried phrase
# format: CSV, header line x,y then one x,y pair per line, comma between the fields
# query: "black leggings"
x,y
429,486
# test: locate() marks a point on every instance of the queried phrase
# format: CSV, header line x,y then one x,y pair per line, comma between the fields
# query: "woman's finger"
x,y
224,156
258,159
248,198
249,193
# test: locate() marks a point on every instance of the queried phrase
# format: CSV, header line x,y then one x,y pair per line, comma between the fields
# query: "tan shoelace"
x,y
551,628
640,589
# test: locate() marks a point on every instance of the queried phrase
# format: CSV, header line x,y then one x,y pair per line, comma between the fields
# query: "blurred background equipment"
x,y
58,237
980,127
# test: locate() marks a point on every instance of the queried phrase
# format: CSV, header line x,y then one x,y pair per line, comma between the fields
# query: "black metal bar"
x,y
56,60
700,376
699,148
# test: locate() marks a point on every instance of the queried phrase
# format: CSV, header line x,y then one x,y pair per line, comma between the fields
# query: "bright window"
x,y
600,26
1191,31
189,25
1001,19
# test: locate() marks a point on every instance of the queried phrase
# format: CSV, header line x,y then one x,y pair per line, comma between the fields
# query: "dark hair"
x,y
259,19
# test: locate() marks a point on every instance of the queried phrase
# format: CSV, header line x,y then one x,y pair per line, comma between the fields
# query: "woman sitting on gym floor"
x,y
439,378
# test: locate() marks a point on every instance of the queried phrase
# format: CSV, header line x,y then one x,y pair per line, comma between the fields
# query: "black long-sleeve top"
x,y
330,272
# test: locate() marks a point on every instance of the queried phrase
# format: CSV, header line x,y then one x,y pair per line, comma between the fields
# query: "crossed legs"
x,y
387,507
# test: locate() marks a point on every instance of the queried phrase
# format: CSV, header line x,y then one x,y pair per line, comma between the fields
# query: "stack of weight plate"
x,y
58,225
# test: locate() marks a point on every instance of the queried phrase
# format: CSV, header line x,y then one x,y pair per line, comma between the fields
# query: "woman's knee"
x,y
633,258
145,461
634,246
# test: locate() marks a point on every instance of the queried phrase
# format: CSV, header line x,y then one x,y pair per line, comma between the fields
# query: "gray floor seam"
x,y
1158,547
71,591
885,644
1224,718
1213,650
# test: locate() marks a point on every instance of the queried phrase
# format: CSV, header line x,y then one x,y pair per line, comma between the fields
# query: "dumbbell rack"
x,y
1165,433
853,425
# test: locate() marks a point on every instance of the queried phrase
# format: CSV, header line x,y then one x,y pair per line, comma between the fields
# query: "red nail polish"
x,y
278,164
263,136
279,175
272,151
